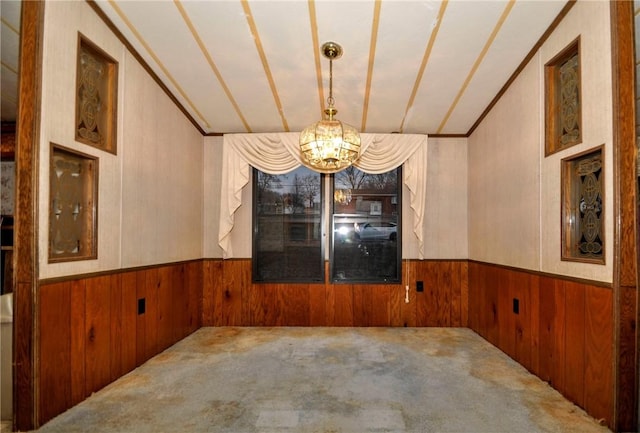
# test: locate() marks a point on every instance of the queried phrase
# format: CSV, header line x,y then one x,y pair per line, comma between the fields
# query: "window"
x,y
289,226
366,226
287,221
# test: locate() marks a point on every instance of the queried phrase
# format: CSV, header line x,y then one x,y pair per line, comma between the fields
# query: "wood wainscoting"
x,y
231,299
563,332
91,331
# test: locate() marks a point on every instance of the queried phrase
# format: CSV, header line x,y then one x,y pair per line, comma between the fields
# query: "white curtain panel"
x,y
279,153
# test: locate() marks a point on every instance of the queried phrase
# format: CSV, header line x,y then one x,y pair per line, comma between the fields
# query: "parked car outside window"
x,y
377,231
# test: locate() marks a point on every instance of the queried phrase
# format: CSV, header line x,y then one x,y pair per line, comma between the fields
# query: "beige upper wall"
x,y
162,195
504,187
445,221
212,186
514,190
150,193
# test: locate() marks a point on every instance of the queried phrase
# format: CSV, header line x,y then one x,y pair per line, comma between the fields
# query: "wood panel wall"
x,y
563,332
91,333
231,299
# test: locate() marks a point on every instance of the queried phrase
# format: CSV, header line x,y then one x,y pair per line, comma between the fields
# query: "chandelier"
x,y
329,145
342,196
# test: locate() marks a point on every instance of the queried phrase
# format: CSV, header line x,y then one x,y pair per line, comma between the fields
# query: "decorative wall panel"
x,y
96,98
563,100
582,207
73,211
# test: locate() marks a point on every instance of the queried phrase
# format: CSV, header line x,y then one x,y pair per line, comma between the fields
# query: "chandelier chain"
x,y
330,99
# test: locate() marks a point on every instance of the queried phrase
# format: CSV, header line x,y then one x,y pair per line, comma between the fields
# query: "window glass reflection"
x,y
366,226
287,238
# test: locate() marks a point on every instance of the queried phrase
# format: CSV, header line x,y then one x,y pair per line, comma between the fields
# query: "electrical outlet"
x,y
141,306
419,286
516,305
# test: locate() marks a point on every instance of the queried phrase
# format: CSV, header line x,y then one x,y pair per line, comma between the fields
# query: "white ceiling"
x,y
255,66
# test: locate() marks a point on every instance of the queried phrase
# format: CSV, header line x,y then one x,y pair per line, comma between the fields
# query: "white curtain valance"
x,y
278,153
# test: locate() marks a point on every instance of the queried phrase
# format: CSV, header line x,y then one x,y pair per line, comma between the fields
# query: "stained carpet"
x,y
327,380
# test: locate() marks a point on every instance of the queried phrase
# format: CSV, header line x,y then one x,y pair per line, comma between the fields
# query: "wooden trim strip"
x,y
25,260
448,136
404,261
76,277
547,274
510,268
625,294
372,57
265,63
425,60
523,64
10,69
316,52
236,259
10,26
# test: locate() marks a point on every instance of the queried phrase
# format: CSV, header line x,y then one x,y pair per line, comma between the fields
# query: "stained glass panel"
x,y
72,211
583,208
96,97
563,110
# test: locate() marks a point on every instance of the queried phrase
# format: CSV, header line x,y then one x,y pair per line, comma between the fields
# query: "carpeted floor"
x,y
322,380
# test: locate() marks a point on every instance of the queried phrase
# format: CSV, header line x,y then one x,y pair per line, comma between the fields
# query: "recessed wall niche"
x,y
563,100
96,97
73,210
583,207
